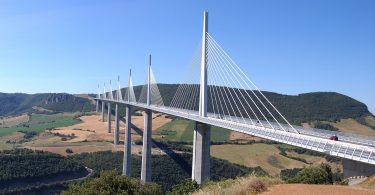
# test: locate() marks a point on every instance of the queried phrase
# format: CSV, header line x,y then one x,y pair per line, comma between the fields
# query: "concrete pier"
x,y
103,105
353,168
146,151
126,165
97,105
109,118
201,153
117,127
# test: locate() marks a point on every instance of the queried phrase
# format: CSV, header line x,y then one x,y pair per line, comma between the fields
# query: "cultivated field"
x,y
89,136
182,130
82,147
40,122
264,155
93,129
12,121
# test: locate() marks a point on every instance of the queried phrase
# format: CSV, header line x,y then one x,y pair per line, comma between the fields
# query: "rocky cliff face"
x,y
58,98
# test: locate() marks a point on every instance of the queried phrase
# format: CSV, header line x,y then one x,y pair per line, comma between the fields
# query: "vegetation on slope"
x,y
166,170
110,182
320,125
322,106
321,174
17,103
27,166
250,184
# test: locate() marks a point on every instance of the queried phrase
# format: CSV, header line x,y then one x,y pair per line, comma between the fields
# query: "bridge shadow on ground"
x,y
165,148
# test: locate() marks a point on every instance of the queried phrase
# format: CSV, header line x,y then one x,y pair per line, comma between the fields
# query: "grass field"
x,y
353,126
370,120
182,130
264,155
40,122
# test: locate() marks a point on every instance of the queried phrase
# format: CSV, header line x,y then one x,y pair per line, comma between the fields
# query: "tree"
x,y
185,187
321,174
110,182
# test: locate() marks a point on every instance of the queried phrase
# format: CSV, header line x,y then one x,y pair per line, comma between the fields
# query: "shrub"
x,y
185,187
314,175
69,151
287,174
257,186
111,183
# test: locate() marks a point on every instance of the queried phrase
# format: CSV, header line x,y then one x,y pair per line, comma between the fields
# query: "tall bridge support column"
x,y
353,168
109,118
97,105
117,127
103,105
146,151
201,153
126,165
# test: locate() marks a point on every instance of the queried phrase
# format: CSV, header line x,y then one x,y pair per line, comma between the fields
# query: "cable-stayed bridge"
x,y
217,92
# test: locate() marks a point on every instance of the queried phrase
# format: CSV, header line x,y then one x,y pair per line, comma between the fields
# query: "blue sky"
x,y
289,47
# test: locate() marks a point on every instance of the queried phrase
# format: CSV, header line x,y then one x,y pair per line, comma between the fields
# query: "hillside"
x,y
26,168
17,103
324,106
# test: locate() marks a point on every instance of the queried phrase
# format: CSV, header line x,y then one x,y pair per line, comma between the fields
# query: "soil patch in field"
x,y
93,129
234,135
13,120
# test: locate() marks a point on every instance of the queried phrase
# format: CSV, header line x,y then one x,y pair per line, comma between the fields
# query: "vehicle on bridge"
x,y
334,138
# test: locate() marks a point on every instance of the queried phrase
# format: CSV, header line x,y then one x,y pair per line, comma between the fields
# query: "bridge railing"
x,y
317,141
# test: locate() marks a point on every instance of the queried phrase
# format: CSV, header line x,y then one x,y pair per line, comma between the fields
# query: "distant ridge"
x,y
17,103
329,106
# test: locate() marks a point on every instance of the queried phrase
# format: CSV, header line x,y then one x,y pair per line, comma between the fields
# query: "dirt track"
x,y
298,189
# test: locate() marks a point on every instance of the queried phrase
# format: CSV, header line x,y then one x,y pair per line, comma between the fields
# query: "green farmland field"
x,y
182,130
40,122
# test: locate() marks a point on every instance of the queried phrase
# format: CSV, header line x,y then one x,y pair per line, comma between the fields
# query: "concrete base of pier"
x,y
201,153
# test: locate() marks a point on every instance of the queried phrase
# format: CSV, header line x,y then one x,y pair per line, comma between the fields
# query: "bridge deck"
x,y
349,146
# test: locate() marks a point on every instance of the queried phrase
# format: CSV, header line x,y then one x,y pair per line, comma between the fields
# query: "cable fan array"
x,y
232,96
187,94
155,96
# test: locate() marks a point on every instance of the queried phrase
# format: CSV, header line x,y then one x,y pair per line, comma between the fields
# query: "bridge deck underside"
x,y
349,147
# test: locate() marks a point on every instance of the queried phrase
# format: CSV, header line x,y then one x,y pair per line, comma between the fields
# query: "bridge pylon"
x,y
103,103
147,132
109,114
116,135
202,132
126,166
97,101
